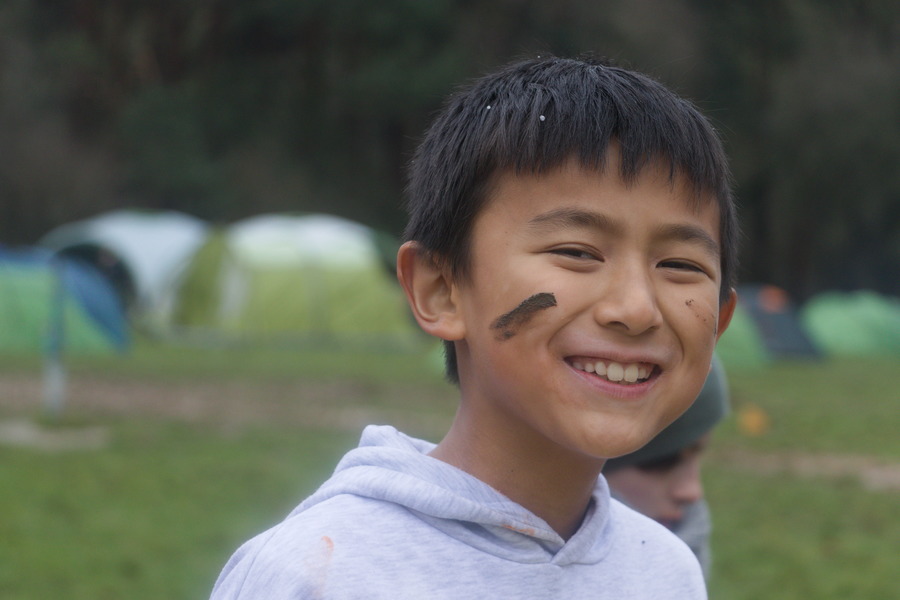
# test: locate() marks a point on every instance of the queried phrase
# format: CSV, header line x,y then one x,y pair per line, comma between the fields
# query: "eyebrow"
x,y
566,218
691,234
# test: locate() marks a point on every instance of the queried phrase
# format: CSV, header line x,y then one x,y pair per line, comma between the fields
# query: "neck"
x,y
552,482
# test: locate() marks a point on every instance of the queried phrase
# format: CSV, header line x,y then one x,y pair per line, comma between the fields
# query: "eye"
x,y
681,265
575,252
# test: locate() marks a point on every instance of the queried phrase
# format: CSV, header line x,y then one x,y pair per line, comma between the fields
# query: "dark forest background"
x,y
229,108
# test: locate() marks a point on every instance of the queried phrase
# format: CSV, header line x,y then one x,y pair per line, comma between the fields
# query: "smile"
x,y
615,372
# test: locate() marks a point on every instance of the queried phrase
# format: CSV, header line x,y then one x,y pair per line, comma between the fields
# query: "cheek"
x,y
703,313
508,324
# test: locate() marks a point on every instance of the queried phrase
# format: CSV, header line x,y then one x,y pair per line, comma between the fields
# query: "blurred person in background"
x,y
662,480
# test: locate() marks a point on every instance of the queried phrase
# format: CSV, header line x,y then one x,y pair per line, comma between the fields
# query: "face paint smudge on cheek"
x,y
507,325
690,304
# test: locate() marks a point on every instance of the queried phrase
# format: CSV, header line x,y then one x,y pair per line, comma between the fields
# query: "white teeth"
x,y
631,373
615,372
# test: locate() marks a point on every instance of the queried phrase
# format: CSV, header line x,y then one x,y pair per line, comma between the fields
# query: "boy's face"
x,y
662,491
574,273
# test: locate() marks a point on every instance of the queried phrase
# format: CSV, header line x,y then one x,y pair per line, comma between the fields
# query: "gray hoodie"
x,y
394,523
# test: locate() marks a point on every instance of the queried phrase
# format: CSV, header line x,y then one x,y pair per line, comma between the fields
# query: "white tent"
x,y
143,251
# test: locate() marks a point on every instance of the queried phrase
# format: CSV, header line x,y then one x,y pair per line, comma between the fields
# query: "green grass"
x,y
839,406
783,538
156,512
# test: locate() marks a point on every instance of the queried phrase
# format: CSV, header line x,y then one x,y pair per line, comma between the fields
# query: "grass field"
x,y
192,451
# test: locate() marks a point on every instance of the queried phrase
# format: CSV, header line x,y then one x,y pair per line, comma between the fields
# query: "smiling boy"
x,y
571,238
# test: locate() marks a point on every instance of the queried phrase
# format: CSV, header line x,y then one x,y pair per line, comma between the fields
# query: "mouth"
x,y
616,372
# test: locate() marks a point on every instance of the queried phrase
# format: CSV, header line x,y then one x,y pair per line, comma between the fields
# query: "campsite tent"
x,y
141,252
861,323
765,327
285,277
56,303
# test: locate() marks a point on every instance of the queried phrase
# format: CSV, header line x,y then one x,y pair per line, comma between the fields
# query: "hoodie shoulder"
x,y
643,545
295,558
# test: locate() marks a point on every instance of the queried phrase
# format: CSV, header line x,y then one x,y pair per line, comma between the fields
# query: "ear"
x,y
430,292
726,311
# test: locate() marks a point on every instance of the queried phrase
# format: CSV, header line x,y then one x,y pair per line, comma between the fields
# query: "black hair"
x,y
662,463
533,115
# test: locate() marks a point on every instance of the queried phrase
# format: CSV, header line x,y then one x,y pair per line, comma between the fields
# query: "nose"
x,y
629,301
686,485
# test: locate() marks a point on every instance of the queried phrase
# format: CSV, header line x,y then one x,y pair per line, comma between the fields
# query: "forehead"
x,y
572,195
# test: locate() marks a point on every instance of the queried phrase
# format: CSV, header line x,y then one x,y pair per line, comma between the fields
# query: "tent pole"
x,y
54,379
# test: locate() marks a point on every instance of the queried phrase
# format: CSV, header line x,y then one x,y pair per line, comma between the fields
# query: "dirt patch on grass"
x,y
870,472
21,432
232,404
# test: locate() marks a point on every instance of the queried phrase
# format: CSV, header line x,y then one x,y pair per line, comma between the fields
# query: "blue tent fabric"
x,y
98,298
41,290
777,322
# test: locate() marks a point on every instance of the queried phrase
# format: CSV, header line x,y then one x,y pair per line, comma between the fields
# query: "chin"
x,y
616,446
614,449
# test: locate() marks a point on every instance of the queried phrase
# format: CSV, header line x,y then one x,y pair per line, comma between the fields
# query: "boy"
x,y
662,479
571,239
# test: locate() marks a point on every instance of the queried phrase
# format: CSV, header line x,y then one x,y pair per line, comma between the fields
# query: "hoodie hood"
x,y
392,467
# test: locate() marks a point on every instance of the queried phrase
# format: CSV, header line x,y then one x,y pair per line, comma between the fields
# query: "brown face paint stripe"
x,y
508,325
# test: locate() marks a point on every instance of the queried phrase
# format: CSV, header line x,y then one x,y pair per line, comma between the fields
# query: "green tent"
x,y
313,278
741,346
861,323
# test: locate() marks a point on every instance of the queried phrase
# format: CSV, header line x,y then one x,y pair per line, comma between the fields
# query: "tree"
x,y
226,108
